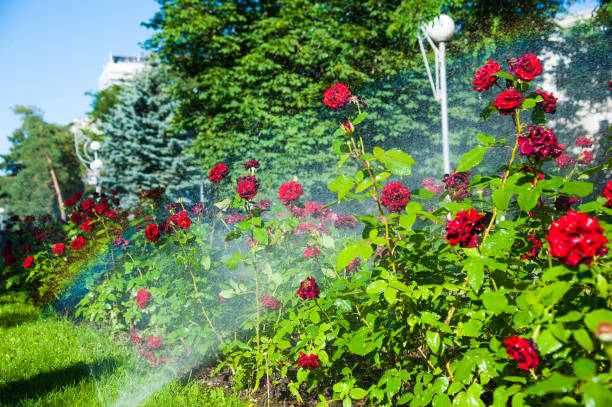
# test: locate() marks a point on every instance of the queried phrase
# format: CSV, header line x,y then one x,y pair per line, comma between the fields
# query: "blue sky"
x,y
53,51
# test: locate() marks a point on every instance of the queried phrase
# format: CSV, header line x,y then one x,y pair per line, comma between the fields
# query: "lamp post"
x,y
87,153
440,30
1,218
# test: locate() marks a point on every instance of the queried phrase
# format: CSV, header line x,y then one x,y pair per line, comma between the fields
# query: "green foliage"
x,y
103,101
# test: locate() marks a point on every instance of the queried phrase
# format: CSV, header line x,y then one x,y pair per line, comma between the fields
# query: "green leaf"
x,y
505,75
346,256
407,221
433,340
315,317
358,393
595,394
260,235
538,117
224,203
495,302
471,159
342,185
485,140
579,188
500,198
360,117
547,343
376,287
398,162
359,343
475,273
527,197
585,368
528,103
390,295
206,262
556,383
441,400
233,235
594,318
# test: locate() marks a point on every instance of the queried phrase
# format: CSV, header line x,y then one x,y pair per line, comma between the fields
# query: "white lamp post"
x,y
1,218
440,30
87,153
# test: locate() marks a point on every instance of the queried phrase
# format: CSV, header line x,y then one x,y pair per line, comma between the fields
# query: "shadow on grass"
x,y
9,319
47,382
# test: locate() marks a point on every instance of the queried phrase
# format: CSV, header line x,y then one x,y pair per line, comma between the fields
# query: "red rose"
x,y
247,190
69,202
28,262
182,220
77,195
289,192
536,245
270,303
86,226
524,351
311,251
526,67
234,218
87,205
540,143
430,185
142,298
308,362
251,164
564,160
464,228
337,96
9,259
607,193
78,243
457,183
308,289
584,142
101,207
75,218
110,213
114,192
345,222
348,127
265,204
58,248
508,101
218,173
549,102
154,342
576,238
586,157
135,338
152,232
395,197
484,78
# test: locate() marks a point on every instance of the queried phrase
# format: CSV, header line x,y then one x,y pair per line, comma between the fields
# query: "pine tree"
x,y
140,149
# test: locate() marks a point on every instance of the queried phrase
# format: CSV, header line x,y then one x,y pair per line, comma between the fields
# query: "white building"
x,y
118,68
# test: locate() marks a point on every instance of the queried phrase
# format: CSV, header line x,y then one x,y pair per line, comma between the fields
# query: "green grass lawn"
x,y
50,361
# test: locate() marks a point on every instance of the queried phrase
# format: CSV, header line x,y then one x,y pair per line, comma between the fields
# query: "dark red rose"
x,y
77,195
251,164
308,362
154,342
563,203
135,338
463,230
289,192
114,192
152,232
345,222
549,102
348,127
182,220
29,219
265,204
9,259
337,96
270,303
484,78
456,183
69,202
58,248
311,251
249,178
102,206
540,143
607,193
87,226
526,67
395,197
78,243
508,101
218,173
87,205
584,142
585,158
524,351
75,218
142,298
576,238
110,213
534,247
308,289
28,262
41,236
564,160
26,248
247,190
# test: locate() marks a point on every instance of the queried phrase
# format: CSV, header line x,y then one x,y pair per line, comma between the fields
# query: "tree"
x,y
103,101
41,166
140,149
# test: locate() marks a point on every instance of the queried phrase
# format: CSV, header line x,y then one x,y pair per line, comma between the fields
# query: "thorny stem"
x,y
321,308
363,319
425,357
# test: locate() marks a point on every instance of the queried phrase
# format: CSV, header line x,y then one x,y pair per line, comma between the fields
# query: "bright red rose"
x,y
535,246
540,143
549,102
102,206
311,251
69,202
576,238
77,195
526,67
308,362
584,142
87,226
152,232
354,265
87,205
58,248
524,351
110,213
182,220
608,194
142,298
270,302
395,197
247,190
78,243
337,96
28,262
463,230
251,164
508,101
484,78
154,342
308,289
289,192
135,338
218,173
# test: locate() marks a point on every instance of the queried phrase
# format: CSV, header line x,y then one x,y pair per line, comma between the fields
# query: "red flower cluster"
x,y
152,232
607,193
584,142
78,243
181,220
270,302
308,362
218,173
247,189
549,102
290,192
536,245
540,143
395,197
576,238
142,298
348,127
345,222
585,158
234,218
311,251
564,160
463,230
308,289
337,96
251,164
28,262
484,78
456,183
526,67
354,265
154,342
58,248
524,351
508,101
135,338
